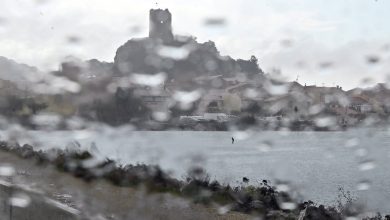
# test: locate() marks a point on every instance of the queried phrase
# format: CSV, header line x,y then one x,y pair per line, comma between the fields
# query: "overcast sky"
x,y
324,42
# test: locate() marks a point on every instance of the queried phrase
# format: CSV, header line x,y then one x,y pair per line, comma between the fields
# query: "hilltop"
x,y
163,77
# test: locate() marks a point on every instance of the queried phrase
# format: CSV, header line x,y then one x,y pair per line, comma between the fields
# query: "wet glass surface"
x,y
219,109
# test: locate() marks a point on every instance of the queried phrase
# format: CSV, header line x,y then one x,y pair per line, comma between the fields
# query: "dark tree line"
x,y
123,108
13,105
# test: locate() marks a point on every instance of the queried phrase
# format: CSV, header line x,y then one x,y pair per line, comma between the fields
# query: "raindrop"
x,y
20,200
186,98
161,116
276,89
47,120
75,123
282,187
73,40
366,81
353,142
265,146
284,132
364,185
241,77
361,152
325,121
215,22
125,67
176,53
288,205
217,83
149,80
135,29
56,85
301,64
94,149
251,93
325,65
241,135
286,43
367,165
6,170
315,109
211,65
224,209
73,147
372,59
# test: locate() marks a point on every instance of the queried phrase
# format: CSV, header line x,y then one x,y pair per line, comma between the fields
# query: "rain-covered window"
x,y
226,109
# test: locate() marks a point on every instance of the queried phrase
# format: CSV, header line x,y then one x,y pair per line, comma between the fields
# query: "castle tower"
x,y
160,25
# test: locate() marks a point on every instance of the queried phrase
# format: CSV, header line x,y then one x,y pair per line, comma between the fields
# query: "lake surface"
x,y
315,164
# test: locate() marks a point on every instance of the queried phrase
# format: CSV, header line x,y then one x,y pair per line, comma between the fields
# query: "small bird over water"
x,y
232,140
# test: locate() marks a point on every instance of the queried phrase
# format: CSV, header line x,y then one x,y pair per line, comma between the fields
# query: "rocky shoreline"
x,y
263,200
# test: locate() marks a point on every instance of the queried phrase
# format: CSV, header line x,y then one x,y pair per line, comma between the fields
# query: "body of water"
x,y
315,164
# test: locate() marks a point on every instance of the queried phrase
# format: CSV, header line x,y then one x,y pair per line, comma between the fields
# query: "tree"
x,y
254,60
121,109
34,106
13,104
250,66
253,108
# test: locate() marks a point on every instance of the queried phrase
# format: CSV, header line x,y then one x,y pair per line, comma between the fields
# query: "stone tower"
x,y
160,25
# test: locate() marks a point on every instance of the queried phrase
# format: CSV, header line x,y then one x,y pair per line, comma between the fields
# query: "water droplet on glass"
x,y
353,142
325,65
176,53
315,109
224,209
135,29
241,135
185,99
251,93
275,89
161,116
73,40
47,120
367,165
372,59
265,146
363,185
215,21
325,121
149,80
288,205
366,82
20,200
361,152
6,170
283,187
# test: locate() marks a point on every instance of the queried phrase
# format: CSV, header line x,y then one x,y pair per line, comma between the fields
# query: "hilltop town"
x,y
166,81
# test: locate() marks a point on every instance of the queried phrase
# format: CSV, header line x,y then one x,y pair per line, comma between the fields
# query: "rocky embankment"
x,y
101,189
